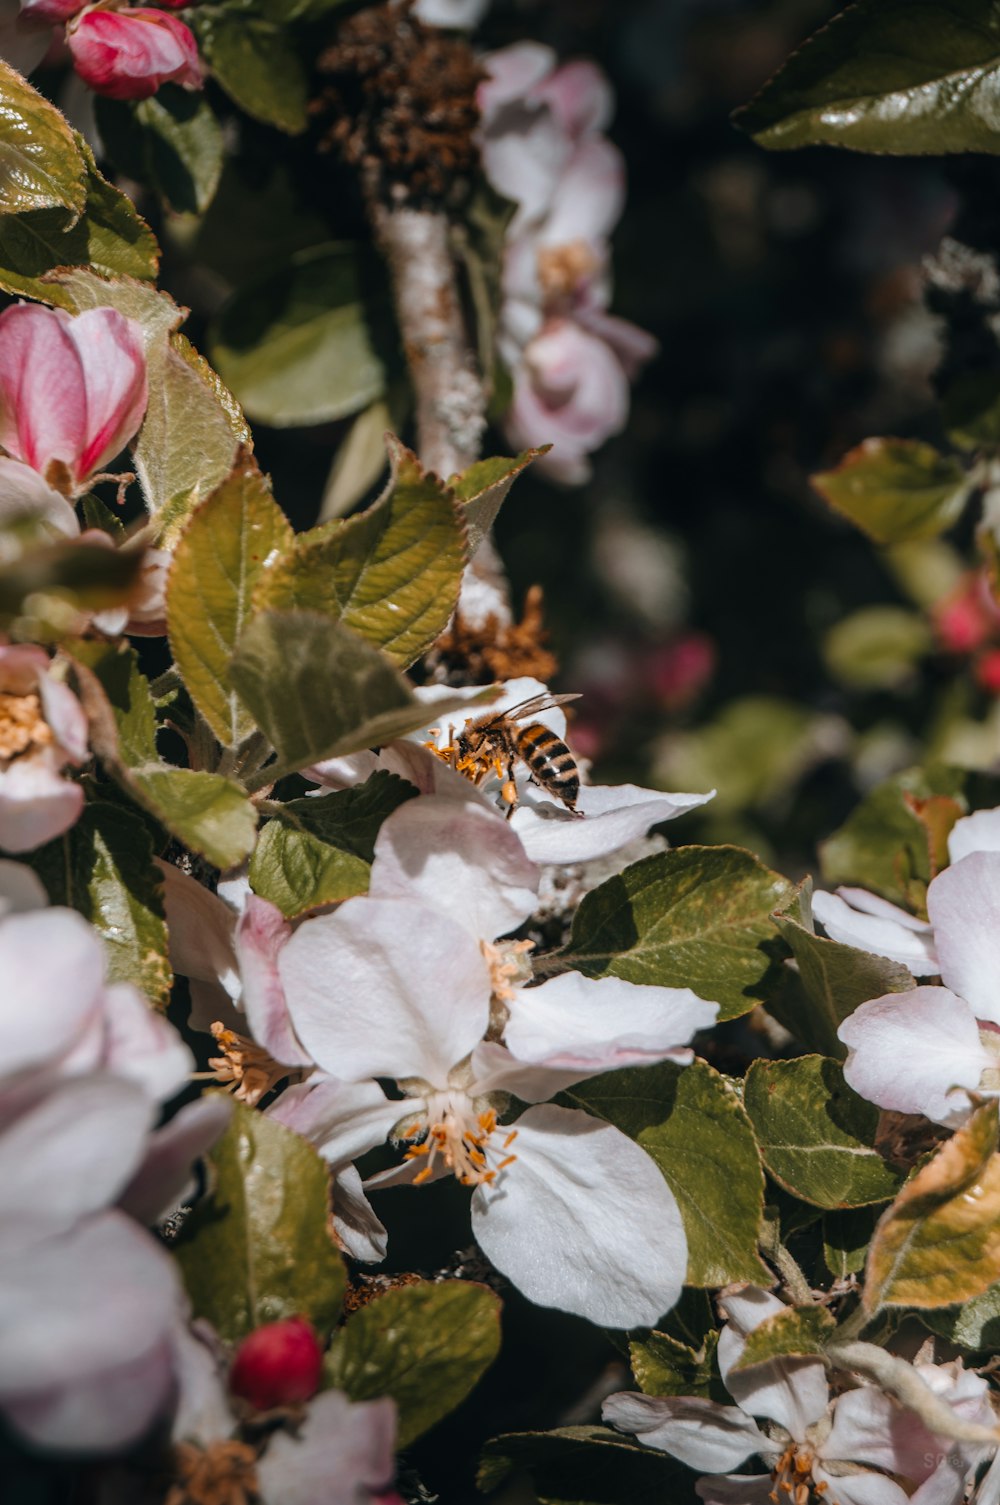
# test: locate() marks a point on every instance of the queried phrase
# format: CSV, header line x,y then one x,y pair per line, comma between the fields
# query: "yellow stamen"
x,y
22,725
244,1066
224,1473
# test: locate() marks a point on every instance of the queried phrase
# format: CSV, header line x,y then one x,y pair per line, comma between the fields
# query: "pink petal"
x,y
110,348
66,718
979,832
512,73
36,804
963,905
128,54
52,964
860,1488
589,197
202,930
261,933
21,891
868,1427
51,11
632,345
583,1221
914,1052
579,95
386,988
141,1046
43,404
166,1170
23,494
849,917
699,1432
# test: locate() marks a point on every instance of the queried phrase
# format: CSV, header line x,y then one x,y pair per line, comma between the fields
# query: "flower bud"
x,y
988,671
53,12
128,54
277,1365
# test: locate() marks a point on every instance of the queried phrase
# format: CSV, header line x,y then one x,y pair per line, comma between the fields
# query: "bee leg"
x,y
509,793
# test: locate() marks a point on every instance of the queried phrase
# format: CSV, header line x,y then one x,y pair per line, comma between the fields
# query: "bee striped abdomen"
x,y
550,760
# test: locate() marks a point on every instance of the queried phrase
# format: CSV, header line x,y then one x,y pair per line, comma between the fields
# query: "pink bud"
x,y
277,1365
988,671
72,389
51,11
128,54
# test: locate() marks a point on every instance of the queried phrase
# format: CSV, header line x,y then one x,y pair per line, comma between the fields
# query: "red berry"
x,y
277,1365
988,671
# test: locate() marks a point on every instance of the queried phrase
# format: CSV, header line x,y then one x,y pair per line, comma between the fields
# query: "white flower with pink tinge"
x,y
924,1050
571,361
609,816
576,1214
72,390
88,1300
338,1453
42,730
814,1447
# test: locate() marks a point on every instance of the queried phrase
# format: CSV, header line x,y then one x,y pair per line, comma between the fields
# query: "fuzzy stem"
x,y
451,402
896,1377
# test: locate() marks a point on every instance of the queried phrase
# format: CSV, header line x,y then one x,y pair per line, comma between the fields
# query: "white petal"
x,y
608,818
583,1221
21,889
458,14
166,1170
85,1325
342,1119
494,1069
860,1488
701,1433
341,1455
201,931
457,857
911,1052
52,965
792,1392
36,803
143,1046
883,934
358,1230
70,1154
963,904
386,987
598,1025
23,492
735,1489
979,832
203,1412
868,1427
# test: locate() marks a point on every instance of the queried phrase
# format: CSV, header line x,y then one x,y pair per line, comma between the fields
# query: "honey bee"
x,y
494,743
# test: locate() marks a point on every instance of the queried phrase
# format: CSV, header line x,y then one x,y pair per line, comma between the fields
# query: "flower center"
x,y
225,1473
464,1139
793,1479
22,725
244,1066
561,269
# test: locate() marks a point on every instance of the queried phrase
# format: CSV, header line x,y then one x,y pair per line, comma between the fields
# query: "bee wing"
x,y
535,704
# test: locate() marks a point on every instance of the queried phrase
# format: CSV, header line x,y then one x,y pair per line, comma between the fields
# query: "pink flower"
x,y
72,390
128,54
571,361
42,728
51,12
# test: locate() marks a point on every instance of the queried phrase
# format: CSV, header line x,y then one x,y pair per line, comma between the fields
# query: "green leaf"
x,y
884,844
584,1466
939,1242
172,141
320,850
302,344
483,488
690,1120
425,1345
833,980
209,813
664,1366
317,690
797,1332
695,917
223,552
889,76
877,648
41,166
256,63
896,489
846,1237
816,1136
103,867
259,1249
971,410
975,1325
109,237
392,573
